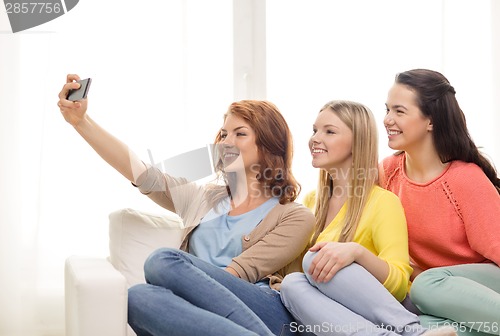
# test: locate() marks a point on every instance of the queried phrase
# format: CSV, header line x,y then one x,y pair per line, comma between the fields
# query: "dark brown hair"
x,y
436,99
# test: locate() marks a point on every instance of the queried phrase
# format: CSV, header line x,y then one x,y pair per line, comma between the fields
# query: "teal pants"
x,y
464,296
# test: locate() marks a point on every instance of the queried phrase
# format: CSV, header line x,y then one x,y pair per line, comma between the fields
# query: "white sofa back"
x,y
134,234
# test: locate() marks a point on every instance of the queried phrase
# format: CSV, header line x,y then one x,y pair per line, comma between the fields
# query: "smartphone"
x,y
80,93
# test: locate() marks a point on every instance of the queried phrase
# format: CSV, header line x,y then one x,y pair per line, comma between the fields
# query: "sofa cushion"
x,y
134,234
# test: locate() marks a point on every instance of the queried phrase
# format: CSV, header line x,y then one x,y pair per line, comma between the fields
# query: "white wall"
x,y
323,50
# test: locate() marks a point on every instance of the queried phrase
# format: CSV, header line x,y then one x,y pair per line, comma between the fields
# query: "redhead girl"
x,y
242,235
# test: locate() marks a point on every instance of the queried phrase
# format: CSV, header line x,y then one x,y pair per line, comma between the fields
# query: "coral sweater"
x,y
453,219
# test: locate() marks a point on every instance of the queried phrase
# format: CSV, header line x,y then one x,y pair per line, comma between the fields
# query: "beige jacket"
x,y
272,250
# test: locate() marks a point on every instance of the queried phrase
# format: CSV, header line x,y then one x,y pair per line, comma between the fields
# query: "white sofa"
x,y
96,288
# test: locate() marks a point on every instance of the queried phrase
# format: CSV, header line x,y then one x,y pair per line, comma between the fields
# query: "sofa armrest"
x,y
97,288
95,298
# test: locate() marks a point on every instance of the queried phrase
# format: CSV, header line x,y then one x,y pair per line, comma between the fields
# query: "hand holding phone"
x,y
80,93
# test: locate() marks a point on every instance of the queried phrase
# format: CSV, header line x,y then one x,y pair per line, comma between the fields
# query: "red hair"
x,y
274,142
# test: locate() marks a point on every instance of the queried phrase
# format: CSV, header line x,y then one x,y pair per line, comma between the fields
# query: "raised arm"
x,y
112,150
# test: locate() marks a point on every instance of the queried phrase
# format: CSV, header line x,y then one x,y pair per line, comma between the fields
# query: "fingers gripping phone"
x,y
80,93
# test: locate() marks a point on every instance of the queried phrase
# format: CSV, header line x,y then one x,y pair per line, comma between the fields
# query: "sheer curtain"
x,y
13,227
162,78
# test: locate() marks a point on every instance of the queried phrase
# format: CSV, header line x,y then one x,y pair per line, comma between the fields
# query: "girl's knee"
x,y
159,259
307,260
161,253
426,283
290,281
289,288
430,278
136,296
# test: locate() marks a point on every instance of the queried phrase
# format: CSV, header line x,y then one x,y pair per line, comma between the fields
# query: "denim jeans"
x,y
185,295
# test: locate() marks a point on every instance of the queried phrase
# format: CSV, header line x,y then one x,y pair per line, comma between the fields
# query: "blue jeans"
x,y
188,296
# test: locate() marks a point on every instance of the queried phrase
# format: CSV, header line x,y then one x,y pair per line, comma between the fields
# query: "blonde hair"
x,y
362,176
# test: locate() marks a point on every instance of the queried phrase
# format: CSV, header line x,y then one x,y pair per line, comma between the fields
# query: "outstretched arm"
x,y
111,149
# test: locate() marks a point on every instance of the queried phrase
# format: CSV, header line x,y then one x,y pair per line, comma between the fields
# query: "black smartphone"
x,y
80,93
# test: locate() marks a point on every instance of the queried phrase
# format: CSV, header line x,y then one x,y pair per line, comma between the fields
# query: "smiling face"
x,y
407,128
331,142
239,148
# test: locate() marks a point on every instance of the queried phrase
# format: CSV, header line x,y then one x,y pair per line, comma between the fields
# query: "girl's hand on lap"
x,y
330,258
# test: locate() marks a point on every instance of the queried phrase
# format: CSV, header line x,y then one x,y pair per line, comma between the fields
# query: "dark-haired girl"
x,y
450,194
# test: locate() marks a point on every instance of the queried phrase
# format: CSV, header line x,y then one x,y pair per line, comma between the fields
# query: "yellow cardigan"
x,y
382,230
